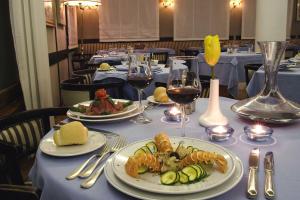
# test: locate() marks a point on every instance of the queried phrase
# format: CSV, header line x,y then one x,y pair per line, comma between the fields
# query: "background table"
x,y
48,173
288,83
230,68
119,53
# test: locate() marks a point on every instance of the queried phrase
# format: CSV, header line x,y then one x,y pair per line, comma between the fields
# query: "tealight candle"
x,y
258,132
173,114
219,133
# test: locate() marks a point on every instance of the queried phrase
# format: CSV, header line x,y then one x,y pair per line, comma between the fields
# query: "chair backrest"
x,y
87,74
162,57
79,60
17,192
20,135
248,68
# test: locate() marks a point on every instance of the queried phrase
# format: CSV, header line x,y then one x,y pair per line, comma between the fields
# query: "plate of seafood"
x,y
173,165
102,107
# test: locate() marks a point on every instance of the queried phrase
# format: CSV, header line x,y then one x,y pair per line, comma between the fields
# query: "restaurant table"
x,y
128,91
288,83
48,173
230,68
105,55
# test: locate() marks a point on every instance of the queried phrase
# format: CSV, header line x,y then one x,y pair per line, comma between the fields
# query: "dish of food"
x,y
173,165
141,194
95,141
103,106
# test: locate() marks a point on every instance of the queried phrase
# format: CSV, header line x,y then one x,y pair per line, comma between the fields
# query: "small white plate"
x,y
134,106
151,182
208,194
152,100
95,141
123,117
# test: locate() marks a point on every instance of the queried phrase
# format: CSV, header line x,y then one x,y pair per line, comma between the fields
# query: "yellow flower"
x,y
212,50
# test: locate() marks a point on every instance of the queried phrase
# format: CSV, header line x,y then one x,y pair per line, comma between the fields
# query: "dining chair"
x,y
17,192
87,74
79,61
249,71
20,135
190,52
94,66
162,57
75,90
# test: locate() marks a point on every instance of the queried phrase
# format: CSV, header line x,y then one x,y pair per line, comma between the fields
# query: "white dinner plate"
x,y
152,100
113,119
134,106
141,194
95,141
151,182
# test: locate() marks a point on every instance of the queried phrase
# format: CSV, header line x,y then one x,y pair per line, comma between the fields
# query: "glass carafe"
x,y
269,105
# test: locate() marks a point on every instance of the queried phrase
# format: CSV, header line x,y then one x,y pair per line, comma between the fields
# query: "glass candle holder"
x,y
258,132
173,114
219,133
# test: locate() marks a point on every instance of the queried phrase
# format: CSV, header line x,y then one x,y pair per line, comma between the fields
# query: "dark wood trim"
x,y
87,41
56,57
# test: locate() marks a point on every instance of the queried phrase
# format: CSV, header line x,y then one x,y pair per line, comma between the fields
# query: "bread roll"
x,y
160,94
71,133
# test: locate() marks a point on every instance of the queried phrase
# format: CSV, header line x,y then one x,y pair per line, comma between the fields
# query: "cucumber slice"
x,y
190,172
152,147
142,170
177,177
168,178
190,149
139,151
206,170
199,171
146,149
195,149
183,178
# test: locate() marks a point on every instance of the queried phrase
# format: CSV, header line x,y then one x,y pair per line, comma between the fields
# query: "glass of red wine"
x,y
183,85
140,76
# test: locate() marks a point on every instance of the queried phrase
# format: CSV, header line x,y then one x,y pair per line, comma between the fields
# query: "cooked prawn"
x,y
135,162
205,157
163,143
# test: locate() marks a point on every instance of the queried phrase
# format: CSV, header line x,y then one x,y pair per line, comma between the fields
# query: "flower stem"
x,y
212,72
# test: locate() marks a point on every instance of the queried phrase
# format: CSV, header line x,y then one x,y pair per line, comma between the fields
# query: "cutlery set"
x,y
252,187
89,170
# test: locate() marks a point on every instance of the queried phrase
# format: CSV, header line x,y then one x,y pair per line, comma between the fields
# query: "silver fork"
x,y
77,171
93,178
89,170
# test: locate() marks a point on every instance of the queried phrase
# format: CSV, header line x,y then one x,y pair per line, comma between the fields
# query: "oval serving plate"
x,y
151,182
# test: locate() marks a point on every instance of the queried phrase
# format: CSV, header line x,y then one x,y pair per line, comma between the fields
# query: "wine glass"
x,y
140,76
183,85
124,60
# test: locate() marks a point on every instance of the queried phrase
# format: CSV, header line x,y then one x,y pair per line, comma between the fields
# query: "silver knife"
x,y
252,178
269,169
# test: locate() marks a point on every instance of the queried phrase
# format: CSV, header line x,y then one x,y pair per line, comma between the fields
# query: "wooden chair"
x,y
190,52
162,57
249,71
87,74
79,61
20,135
19,192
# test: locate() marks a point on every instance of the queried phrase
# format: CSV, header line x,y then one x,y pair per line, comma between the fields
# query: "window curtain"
x,y
72,27
194,19
129,20
249,17
30,41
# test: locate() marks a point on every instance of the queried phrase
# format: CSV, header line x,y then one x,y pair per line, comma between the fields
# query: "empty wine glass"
x,y
124,60
140,76
183,85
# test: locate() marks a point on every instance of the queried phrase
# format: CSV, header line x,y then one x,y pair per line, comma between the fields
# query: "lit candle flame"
x,y
174,111
220,129
258,129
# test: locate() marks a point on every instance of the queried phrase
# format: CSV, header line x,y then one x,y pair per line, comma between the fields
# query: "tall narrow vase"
x,y
213,115
269,105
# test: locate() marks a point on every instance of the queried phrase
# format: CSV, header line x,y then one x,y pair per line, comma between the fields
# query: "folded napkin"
x,y
121,67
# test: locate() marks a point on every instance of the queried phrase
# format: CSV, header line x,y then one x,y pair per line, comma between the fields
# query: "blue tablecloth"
x,y
48,173
288,83
230,68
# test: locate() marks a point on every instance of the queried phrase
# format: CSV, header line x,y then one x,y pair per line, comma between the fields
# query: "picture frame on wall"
x,y
298,11
50,20
60,12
